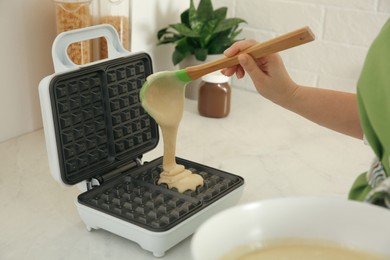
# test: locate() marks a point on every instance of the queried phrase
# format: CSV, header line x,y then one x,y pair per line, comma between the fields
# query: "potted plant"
x,y
202,32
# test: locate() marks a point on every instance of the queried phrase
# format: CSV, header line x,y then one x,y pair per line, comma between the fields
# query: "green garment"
x,y
373,94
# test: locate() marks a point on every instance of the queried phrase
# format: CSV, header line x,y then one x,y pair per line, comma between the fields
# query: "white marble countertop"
x,y
277,152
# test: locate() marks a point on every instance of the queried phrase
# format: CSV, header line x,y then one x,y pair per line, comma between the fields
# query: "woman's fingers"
x,y
234,50
238,47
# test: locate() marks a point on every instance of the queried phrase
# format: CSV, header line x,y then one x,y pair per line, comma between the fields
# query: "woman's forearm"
x,y
332,109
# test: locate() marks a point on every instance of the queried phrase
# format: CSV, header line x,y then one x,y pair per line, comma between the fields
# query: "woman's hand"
x,y
268,73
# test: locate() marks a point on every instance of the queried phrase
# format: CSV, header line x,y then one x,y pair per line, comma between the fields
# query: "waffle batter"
x,y
297,249
165,103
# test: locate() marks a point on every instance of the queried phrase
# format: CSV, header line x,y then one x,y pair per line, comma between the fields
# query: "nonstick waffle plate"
x,y
98,119
135,196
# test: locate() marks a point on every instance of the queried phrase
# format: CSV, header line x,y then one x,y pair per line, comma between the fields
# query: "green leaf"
x,y
161,33
165,36
201,54
228,24
219,44
220,13
234,34
170,39
194,21
184,18
205,10
208,31
184,30
182,50
192,14
194,43
221,41
177,57
183,46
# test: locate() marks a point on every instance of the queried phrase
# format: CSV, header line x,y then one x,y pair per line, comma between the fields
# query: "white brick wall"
x,y
344,30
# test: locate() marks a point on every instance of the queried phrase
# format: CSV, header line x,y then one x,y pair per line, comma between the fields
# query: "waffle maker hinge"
x,y
98,180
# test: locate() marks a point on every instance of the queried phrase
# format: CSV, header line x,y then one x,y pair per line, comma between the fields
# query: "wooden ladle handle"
x,y
280,43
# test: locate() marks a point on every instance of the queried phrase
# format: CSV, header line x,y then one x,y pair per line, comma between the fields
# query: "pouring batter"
x,y
165,103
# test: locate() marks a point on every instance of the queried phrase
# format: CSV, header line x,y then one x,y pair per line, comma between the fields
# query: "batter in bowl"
x,y
165,103
298,249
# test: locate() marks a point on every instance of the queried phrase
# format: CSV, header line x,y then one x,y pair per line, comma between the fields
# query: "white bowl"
x,y
353,224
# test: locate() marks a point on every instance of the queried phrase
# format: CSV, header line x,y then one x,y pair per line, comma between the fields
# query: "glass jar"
x,y
70,15
116,13
214,95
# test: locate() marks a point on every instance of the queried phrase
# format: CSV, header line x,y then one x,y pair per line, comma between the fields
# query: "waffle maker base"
x,y
96,132
134,207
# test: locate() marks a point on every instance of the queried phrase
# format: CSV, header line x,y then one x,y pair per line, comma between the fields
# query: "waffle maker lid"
x,y
98,123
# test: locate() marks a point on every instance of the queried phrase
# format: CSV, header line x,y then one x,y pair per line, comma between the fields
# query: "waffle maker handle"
x,y
61,60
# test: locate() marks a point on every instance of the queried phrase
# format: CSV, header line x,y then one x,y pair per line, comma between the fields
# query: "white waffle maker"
x,y
96,132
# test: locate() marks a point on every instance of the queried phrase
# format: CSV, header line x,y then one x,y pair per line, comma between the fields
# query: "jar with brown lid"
x,y
214,95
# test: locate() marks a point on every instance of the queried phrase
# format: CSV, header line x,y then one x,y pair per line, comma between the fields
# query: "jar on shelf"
x,y
214,95
70,15
116,13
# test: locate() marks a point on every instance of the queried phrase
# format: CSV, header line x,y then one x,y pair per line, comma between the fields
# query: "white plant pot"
x,y
192,88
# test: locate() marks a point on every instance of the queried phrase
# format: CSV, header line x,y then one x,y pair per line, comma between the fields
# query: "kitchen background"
x,y
344,31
